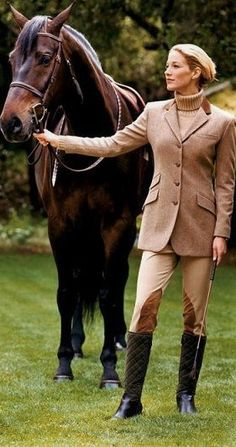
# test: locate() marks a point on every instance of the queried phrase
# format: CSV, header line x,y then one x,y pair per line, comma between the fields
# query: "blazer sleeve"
x,y
126,140
225,180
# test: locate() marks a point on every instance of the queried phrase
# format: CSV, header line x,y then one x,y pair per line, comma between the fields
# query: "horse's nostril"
x,y
14,125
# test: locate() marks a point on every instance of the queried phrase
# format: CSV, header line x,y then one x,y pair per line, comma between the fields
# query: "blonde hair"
x,y
197,57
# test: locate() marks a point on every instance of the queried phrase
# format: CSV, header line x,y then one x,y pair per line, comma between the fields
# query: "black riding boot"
x,y
137,358
188,375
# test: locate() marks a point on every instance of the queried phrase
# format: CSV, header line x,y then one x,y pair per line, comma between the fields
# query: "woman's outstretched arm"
x,y
131,137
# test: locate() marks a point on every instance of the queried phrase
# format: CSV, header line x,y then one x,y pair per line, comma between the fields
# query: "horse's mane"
x,y
85,44
31,29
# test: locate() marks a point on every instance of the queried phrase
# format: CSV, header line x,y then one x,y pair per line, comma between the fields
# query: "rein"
x,y
58,159
38,121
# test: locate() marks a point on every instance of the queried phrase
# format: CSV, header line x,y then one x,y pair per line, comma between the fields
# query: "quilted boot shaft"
x,y
137,358
187,377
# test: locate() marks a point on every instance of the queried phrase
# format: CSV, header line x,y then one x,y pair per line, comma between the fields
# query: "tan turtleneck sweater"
x,y
187,107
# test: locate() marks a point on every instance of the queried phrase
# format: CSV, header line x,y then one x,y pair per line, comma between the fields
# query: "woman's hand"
x,y
47,137
219,249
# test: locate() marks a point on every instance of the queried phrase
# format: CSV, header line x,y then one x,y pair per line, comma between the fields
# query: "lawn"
x,y
36,412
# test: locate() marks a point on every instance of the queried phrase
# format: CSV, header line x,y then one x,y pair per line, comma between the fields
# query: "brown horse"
x,y
92,212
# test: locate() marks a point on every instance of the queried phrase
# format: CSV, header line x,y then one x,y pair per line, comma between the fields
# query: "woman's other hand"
x,y
219,249
47,137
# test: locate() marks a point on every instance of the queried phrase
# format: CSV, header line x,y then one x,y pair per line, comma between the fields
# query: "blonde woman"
x,y
186,215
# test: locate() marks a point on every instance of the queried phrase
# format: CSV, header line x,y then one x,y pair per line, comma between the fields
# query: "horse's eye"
x,y
45,59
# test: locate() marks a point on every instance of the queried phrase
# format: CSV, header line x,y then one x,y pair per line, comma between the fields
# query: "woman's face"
x,y
179,76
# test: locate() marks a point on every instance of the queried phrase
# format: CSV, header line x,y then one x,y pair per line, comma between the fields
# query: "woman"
x,y
186,215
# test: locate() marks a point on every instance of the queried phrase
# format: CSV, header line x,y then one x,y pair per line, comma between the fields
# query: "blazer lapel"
x,y
172,119
201,117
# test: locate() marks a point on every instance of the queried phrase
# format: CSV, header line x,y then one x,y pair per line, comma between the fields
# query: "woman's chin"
x,y
170,88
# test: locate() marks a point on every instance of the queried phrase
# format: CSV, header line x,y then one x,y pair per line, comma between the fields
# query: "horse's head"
x,y
36,65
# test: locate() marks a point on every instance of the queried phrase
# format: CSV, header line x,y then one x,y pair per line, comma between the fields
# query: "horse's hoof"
x,y
64,371
110,384
63,377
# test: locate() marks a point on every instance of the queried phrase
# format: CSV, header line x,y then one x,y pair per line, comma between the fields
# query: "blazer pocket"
x,y
155,180
151,197
206,203
209,136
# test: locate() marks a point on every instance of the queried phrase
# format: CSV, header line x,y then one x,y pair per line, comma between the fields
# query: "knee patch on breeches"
x,y
147,320
192,317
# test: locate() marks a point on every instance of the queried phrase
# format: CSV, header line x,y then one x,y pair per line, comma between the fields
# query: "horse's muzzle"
x,y
13,129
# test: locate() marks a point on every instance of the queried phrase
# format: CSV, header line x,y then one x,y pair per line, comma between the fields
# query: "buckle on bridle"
x,y
38,114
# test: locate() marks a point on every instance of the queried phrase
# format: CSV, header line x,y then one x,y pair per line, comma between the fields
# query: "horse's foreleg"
x,y
63,241
108,356
119,241
66,301
77,333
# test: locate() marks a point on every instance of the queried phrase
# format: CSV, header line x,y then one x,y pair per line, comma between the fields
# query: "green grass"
x,y
37,412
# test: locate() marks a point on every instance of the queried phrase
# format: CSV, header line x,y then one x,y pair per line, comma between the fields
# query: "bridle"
x,y
44,96
38,119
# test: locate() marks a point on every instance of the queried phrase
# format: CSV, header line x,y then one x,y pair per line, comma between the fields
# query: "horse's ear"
x,y
57,22
19,18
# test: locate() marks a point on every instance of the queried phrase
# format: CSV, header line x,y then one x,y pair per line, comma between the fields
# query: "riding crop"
x,y
212,275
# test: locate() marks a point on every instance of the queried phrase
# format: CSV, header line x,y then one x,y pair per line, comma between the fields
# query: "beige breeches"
x,y
155,272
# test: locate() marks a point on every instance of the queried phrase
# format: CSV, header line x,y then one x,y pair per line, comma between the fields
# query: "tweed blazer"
x,y
190,199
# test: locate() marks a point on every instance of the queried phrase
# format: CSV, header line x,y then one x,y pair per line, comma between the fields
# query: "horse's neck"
x,y
99,100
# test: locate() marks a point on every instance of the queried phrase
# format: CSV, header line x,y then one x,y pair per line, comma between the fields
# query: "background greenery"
x,y
37,412
132,37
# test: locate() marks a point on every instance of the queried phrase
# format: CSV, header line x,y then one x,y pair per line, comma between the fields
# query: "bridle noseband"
x,y
28,87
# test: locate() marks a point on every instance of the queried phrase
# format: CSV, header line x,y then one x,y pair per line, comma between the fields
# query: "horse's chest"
x,y
98,200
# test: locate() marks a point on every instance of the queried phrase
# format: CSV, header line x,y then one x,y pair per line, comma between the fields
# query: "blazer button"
x,y
177,183
177,164
175,202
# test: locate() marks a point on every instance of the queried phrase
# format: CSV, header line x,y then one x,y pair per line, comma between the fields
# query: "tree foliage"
x,y
132,37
